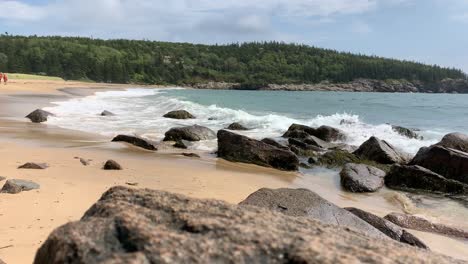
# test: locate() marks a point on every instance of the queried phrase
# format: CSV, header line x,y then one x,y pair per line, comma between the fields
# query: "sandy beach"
x,y
69,188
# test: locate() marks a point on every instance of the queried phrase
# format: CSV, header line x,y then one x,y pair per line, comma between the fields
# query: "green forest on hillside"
x,y
124,61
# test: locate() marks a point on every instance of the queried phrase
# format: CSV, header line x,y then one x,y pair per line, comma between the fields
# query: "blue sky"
x,y
429,31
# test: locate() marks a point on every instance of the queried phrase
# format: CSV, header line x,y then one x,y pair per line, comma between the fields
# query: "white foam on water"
x,y
140,111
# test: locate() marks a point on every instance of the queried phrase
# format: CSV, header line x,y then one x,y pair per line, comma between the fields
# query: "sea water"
x,y
268,113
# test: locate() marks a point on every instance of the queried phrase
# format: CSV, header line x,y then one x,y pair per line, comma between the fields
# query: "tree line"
x,y
152,62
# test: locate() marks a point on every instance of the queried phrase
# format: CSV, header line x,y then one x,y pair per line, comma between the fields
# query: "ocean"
x,y
268,113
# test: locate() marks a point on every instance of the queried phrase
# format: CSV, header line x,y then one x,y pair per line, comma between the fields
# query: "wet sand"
x,y
68,188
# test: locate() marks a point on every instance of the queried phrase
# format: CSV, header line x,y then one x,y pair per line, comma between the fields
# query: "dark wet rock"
x,y
112,165
236,126
388,228
315,141
143,226
136,141
107,113
406,132
179,114
456,141
16,186
305,165
303,152
381,151
191,155
417,177
313,160
181,144
361,178
274,143
421,224
212,118
39,116
303,145
34,166
337,158
297,134
132,183
238,148
305,203
297,127
329,134
346,122
450,163
190,133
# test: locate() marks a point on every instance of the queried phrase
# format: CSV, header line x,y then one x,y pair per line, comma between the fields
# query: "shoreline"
x,y
26,219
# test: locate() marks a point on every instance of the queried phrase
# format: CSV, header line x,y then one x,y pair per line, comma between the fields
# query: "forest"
x,y
152,62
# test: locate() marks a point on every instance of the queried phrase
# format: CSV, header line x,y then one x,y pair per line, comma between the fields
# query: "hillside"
x,y
249,65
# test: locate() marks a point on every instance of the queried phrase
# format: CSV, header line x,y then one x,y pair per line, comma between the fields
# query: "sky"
x,y
429,31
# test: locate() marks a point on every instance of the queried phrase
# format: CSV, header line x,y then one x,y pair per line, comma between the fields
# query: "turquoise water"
x,y
269,114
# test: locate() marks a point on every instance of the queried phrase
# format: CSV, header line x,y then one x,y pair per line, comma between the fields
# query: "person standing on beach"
x,y
5,78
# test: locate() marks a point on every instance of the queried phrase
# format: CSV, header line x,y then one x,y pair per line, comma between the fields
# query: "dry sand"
x,y
68,188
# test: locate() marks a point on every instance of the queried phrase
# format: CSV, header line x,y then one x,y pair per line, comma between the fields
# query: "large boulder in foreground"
x,y
388,228
190,133
136,141
417,177
361,178
179,114
381,151
39,116
145,226
14,186
238,148
305,203
421,224
450,163
456,141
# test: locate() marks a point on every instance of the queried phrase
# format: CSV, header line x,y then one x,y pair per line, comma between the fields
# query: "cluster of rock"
x,y
358,85
270,226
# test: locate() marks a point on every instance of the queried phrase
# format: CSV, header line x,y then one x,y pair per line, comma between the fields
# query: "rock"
x,y
274,143
190,133
112,165
361,178
344,147
236,126
303,152
297,127
238,148
84,162
191,155
313,160
329,134
417,177
16,186
136,141
315,141
406,132
39,116
337,158
180,144
297,134
2,178
388,228
450,163
132,183
179,114
421,224
381,152
143,226
107,113
305,203
302,145
456,141
34,166
305,165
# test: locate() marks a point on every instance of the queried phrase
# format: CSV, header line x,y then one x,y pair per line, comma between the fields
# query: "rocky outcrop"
x,y
456,141
34,166
406,132
15,186
361,178
450,163
107,113
39,116
337,158
381,151
329,134
315,141
305,203
112,165
136,141
236,126
421,224
388,228
325,133
274,143
417,177
145,226
190,133
179,114
191,155
238,148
